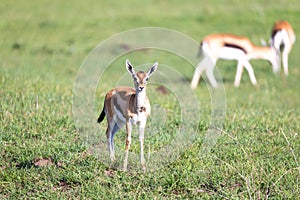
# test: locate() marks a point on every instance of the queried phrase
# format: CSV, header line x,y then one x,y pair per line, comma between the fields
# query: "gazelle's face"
x,y
140,81
140,78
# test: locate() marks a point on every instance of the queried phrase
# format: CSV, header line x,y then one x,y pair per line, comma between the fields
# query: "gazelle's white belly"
x,y
119,115
230,53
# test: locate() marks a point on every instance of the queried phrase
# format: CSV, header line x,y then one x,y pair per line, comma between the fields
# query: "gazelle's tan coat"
x,y
127,105
231,47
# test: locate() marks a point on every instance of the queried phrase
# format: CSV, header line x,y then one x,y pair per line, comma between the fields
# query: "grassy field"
x,y
43,154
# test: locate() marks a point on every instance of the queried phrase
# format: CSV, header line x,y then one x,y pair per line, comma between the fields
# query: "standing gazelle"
x,y
231,47
127,105
283,35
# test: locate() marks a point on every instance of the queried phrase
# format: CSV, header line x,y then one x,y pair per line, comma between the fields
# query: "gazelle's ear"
x,y
152,69
130,68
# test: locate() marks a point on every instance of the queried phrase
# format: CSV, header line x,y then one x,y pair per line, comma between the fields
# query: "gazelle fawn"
x,y
130,106
283,36
231,47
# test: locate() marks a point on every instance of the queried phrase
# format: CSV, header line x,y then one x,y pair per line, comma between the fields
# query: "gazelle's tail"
x,y
101,116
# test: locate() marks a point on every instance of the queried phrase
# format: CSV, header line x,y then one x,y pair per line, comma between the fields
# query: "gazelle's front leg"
x,y
142,126
285,58
250,70
128,142
238,75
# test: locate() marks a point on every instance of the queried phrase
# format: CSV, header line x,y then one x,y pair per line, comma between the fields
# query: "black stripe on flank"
x,y
235,46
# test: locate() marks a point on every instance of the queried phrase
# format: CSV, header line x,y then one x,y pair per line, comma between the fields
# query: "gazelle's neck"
x,y
140,98
266,53
259,52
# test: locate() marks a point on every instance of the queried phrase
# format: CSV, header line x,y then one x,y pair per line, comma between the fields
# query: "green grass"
x,y
44,43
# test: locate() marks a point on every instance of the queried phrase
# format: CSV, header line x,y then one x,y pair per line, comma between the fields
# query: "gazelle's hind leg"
x,y
110,133
287,47
211,77
197,74
285,58
208,65
128,142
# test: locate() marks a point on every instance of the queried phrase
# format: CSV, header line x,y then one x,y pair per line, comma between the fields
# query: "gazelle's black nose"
x,y
141,89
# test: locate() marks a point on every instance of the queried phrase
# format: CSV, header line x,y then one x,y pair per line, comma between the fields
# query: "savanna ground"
x,y
44,43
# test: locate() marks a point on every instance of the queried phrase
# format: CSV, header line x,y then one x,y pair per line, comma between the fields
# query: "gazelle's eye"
x,y
147,79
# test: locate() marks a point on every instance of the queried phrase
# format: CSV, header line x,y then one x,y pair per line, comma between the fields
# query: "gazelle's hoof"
x,y
193,87
144,168
124,168
112,158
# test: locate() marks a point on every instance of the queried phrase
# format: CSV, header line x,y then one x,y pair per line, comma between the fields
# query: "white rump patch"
x,y
281,37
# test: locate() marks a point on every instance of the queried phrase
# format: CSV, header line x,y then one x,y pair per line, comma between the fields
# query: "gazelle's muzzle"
x,y
141,88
